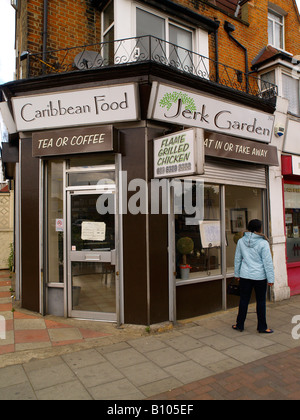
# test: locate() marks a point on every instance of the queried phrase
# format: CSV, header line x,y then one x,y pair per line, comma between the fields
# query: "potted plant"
x,y
185,246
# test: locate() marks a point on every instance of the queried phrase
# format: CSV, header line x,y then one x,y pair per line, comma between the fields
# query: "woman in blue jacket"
x,y
253,268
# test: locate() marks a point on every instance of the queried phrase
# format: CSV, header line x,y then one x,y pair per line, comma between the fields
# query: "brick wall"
x,y
251,28
70,23
75,23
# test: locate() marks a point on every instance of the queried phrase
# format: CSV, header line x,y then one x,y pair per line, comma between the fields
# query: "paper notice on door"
x,y
93,231
59,225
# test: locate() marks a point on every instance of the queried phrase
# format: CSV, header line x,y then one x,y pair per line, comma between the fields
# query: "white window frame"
x,y
200,37
285,73
111,26
280,70
282,24
179,23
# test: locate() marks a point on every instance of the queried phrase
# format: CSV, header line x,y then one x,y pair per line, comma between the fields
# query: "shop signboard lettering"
x,y
103,105
178,154
75,140
239,149
197,110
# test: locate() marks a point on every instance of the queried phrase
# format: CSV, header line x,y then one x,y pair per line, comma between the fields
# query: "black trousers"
x,y
246,287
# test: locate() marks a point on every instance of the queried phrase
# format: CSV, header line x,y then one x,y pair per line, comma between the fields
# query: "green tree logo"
x,y
170,98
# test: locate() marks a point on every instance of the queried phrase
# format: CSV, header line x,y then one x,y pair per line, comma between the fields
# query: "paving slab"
x,y
144,373
244,354
125,357
98,374
48,373
188,371
51,358
70,391
117,390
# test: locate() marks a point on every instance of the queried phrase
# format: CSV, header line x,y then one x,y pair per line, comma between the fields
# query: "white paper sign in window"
x,y
210,233
93,231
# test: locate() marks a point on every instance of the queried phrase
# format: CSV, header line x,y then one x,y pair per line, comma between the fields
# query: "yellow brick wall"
x,y
75,23
6,227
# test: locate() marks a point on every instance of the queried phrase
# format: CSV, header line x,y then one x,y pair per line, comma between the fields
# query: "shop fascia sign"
x,y
187,108
228,147
178,154
85,139
77,107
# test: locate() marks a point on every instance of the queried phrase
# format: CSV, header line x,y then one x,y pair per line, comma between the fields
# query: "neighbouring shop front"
x,y
95,243
291,192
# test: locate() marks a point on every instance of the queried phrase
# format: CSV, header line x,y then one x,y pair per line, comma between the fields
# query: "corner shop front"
x,y
122,266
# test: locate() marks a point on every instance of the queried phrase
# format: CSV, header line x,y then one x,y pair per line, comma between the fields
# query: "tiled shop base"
x,y
20,331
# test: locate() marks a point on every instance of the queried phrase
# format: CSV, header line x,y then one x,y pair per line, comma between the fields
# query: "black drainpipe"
x,y
217,50
229,28
45,33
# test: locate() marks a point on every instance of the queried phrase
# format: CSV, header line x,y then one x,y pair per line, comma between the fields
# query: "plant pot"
x,y
185,272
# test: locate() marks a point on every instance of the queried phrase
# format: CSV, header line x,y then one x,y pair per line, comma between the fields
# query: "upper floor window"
x,y
276,29
159,27
290,91
289,87
108,31
170,40
108,22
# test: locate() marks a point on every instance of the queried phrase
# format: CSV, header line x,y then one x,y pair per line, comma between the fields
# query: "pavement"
x,y
51,358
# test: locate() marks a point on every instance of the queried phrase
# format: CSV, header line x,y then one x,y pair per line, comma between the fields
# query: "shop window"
x,y
199,245
91,170
55,222
242,205
202,239
276,29
91,160
292,221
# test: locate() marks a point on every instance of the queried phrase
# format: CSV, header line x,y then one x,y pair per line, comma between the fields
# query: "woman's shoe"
x,y
268,331
236,328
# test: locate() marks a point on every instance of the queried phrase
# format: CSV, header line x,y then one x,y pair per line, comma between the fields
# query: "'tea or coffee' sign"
x,y
68,141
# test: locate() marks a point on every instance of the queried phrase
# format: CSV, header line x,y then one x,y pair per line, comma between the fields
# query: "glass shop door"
x,y
91,249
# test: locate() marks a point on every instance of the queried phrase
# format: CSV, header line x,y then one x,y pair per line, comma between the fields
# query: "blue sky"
x,y
7,34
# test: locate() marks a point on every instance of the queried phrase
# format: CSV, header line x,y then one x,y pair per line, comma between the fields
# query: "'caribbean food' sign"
x,y
103,105
196,110
181,153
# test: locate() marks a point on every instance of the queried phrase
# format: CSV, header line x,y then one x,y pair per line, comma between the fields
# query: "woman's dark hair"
x,y
255,225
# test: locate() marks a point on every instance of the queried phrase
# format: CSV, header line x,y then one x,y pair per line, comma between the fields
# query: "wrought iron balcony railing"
x,y
147,49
